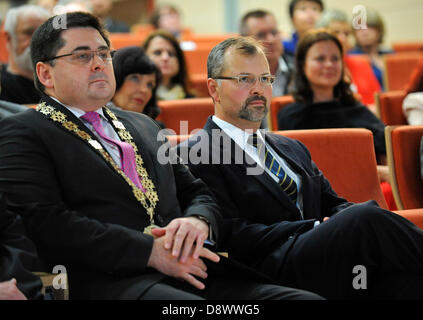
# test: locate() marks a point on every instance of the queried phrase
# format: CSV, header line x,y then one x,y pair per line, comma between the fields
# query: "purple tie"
x,y
127,154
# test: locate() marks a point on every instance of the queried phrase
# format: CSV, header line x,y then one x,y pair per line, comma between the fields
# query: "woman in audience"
x,y
358,72
323,99
136,82
369,41
164,50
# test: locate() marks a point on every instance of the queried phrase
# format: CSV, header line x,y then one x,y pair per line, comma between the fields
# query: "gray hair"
x,y
331,15
13,14
216,60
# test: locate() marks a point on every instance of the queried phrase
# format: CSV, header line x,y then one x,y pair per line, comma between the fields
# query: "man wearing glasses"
x,y
280,213
94,197
263,26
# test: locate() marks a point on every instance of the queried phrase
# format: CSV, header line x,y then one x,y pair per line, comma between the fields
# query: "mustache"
x,y
256,98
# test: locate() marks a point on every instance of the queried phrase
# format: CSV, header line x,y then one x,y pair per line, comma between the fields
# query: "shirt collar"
x,y
238,135
78,112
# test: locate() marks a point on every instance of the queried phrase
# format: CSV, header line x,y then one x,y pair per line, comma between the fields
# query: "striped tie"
x,y
287,184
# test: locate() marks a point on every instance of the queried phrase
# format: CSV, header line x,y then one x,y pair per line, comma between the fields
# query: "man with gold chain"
x,y
92,194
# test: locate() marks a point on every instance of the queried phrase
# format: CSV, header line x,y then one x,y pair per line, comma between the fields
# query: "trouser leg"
x,y
361,239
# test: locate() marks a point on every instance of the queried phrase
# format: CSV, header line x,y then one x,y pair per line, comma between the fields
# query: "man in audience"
x,y
18,258
304,14
92,193
281,215
17,84
102,9
263,26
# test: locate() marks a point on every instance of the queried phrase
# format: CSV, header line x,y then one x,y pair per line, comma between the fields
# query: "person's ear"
x,y
213,87
44,74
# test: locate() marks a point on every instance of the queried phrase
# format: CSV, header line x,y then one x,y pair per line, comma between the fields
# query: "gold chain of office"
x,y
150,194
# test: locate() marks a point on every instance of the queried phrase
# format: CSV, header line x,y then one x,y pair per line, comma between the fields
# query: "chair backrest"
x,y
359,67
4,53
408,46
196,60
403,153
347,159
195,111
198,83
121,40
277,104
389,107
399,68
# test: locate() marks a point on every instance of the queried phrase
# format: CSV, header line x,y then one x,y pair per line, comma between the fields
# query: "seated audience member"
x,y
263,26
268,185
92,192
136,82
324,100
101,9
17,84
412,105
18,257
369,41
167,17
164,50
304,14
357,72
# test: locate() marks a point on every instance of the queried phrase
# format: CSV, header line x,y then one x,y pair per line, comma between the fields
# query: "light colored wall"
x,y
403,19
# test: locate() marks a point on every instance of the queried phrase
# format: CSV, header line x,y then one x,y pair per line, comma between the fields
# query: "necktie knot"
x,y
254,140
91,117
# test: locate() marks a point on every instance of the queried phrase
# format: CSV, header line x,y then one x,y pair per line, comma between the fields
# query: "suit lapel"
x,y
264,179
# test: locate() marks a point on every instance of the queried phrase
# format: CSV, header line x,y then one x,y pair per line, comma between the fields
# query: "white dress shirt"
x,y
240,137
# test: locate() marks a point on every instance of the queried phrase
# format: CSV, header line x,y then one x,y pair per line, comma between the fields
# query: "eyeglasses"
x,y
86,56
248,80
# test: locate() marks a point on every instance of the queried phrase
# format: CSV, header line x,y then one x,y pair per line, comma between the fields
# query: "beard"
x,y
254,114
23,60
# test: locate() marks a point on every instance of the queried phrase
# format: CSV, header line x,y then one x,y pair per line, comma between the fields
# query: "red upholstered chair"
x,y
346,157
403,153
277,104
121,40
389,107
408,46
198,83
399,68
195,111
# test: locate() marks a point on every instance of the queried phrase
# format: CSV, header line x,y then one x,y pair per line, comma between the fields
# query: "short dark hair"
x,y
293,3
47,39
131,60
216,60
243,30
182,76
155,17
302,90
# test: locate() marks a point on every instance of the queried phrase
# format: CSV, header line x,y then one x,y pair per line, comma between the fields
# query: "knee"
x,y
366,212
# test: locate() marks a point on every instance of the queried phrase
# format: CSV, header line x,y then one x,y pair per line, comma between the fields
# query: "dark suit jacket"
x,y
18,256
258,215
81,213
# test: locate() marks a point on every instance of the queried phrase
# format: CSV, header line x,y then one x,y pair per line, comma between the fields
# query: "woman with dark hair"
x,y
136,81
323,99
164,50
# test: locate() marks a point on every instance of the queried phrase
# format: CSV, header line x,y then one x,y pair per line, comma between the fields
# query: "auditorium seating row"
x,y
184,116
342,153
